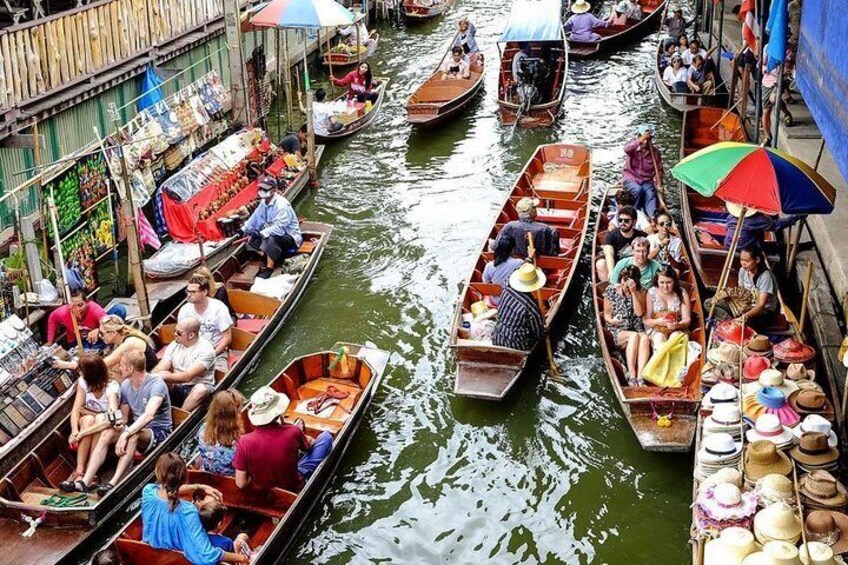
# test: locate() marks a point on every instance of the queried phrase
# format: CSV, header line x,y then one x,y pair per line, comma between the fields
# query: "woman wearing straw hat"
x,y
582,23
520,323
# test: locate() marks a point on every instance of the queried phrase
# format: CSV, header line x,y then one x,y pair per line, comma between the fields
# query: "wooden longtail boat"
x,y
560,176
363,121
535,23
640,403
614,37
683,102
438,98
343,60
271,519
31,490
416,12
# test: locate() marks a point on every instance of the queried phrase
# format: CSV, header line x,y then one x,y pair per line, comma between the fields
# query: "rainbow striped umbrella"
x,y
302,14
757,177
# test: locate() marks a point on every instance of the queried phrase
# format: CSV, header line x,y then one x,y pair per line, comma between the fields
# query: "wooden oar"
x,y
660,187
531,251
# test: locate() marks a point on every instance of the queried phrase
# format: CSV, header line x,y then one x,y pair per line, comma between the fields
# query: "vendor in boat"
x,y
754,227
169,522
119,338
647,267
676,76
216,325
356,33
276,453
643,167
761,283
667,308
87,314
188,366
545,238
498,270
665,247
581,24
217,438
146,413
273,228
455,66
360,84
295,143
624,307
466,39
96,408
618,242
520,322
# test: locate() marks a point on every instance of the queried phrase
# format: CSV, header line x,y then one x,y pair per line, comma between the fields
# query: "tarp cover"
x,y
823,72
534,20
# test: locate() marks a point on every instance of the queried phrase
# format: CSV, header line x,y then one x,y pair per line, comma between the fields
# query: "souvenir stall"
x,y
260,94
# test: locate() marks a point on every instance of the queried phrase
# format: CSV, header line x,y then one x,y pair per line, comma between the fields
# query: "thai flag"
x,y
750,29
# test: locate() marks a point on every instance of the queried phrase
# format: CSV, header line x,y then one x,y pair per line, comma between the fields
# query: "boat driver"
x,y
273,229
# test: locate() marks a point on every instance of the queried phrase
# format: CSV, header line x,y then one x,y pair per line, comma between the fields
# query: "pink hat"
x,y
753,366
770,400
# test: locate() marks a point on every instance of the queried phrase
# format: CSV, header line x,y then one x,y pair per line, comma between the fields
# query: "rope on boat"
x,y
33,523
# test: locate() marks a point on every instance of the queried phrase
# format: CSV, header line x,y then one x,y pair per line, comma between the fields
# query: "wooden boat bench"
x,y
244,278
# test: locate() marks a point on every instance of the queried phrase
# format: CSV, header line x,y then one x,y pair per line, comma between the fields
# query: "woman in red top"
x,y
360,85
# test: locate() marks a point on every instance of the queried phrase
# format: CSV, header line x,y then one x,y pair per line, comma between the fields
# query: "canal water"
x,y
552,475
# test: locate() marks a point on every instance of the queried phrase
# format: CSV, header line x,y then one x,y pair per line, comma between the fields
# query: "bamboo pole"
x,y
793,247
805,298
531,248
60,270
310,137
725,271
287,71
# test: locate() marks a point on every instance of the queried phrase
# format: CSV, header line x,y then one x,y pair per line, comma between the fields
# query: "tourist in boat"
x,y
755,226
520,323
647,267
634,10
119,339
217,438
356,34
96,408
466,39
665,59
755,277
622,199
87,314
545,238
618,16
323,120
618,242
455,66
276,453
693,50
624,307
676,76
698,80
498,270
295,143
217,290
361,85
146,410
665,247
188,366
667,308
582,24
643,167
212,514
675,27
273,228
216,325
169,522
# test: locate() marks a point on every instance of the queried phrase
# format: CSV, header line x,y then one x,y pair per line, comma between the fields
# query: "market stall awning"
x,y
534,20
302,14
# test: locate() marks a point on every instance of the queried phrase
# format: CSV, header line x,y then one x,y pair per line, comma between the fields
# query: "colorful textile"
x,y
146,233
665,365
216,458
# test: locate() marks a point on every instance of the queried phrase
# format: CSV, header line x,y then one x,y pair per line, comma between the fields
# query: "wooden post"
x,y
287,75
358,42
232,21
793,246
36,150
60,268
310,137
806,297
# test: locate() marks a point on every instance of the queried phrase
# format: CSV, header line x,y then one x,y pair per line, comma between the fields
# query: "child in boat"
x,y
211,515
455,66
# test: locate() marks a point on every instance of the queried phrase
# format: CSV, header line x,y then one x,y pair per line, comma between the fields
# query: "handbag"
x,y
669,316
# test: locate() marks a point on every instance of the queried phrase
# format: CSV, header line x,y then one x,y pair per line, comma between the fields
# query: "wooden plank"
x,y
38,35
95,42
3,95
8,88
115,30
69,54
108,49
61,49
125,28
83,43
30,62
21,74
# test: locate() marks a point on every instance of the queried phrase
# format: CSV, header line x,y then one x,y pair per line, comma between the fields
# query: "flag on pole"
x,y
749,24
777,28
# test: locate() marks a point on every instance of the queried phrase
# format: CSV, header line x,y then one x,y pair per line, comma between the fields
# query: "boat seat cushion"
x,y
252,325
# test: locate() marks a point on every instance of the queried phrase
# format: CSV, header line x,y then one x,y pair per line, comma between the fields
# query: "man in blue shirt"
x,y
273,227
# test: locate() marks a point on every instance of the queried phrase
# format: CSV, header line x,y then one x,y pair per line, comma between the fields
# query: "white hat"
x,y
777,522
581,7
719,448
771,377
721,393
816,423
819,554
775,488
774,553
736,209
730,548
727,475
725,418
769,428
266,405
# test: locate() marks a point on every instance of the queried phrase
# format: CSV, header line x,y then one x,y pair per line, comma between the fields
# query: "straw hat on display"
x,y
817,553
727,475
829,528
813,452
770,377
719,448
815,423
721,393
777,522
769,428
821,490
797,371
725,418
762,458
793,351
724,354
730,548
774,553
725,373
759,346
775,488
770,400
724,503
811,402
731,331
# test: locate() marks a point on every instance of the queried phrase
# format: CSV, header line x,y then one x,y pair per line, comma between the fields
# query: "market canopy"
x,y
303,14
534,20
